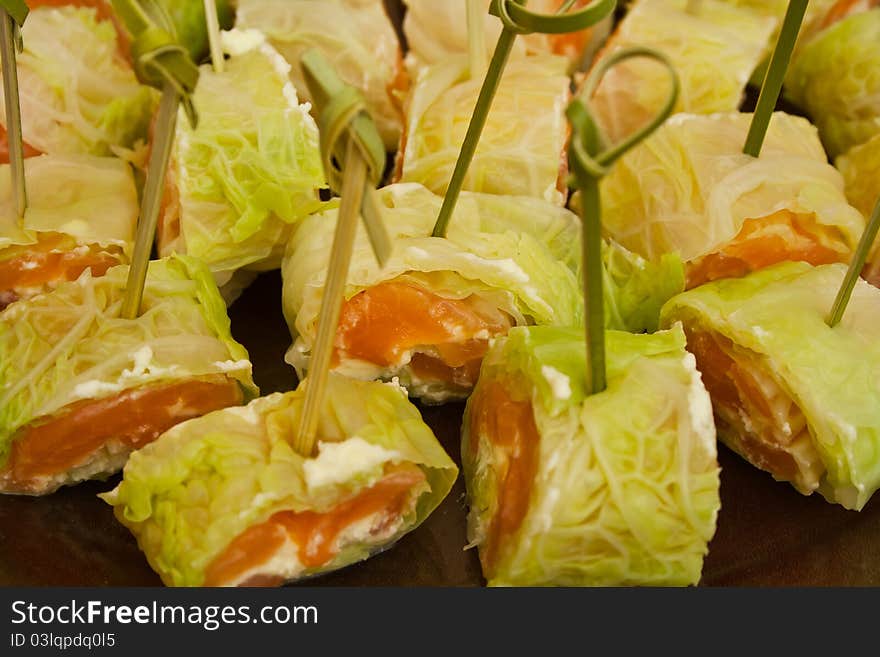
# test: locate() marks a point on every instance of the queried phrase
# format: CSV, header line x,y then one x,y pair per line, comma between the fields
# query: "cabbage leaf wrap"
x,y
689,190
436,31
835,79
357,38
860,167
62,349
522,147
78,92
714,51
820,382
91,199
82,214
250,171
188,495
618,488
519,255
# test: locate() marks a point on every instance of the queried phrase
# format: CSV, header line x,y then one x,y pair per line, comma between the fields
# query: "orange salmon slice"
x,y
779,237
49,447
382,324
314,534
509,427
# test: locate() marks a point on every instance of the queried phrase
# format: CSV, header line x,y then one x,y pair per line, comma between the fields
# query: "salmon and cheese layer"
x,y
792,395
689,190
81,387
429,315
224,500
81,215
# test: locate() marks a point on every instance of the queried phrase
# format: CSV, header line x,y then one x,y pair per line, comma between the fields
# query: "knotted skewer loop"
x,y
160,61
589,161
343,117
520,20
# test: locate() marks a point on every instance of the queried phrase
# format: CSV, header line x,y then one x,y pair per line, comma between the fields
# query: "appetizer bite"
x,y
251,169
567,488
428,316
714,45
81,387
792,395
833,76
81,215
436,31
78,92
689,190
224,500
355,35
521,149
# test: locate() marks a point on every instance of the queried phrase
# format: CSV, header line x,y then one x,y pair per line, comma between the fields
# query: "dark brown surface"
x,y
768,534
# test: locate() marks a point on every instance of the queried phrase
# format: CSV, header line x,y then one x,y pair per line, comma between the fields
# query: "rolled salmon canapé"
x,y
688,189
569,489
81,387
436,31
715,47
792,395
521,151
224,500
429,315
240,181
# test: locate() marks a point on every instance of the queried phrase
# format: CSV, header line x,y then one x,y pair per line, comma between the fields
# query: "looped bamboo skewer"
x,y
354,158
589,160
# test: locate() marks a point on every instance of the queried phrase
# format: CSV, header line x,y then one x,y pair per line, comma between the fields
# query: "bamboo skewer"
x,y
589,160
773,79
354,159
12,16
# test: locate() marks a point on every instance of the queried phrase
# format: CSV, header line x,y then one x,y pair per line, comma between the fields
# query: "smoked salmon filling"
x,y
398,323
755,416
81,387
509,428
314,538
618,488
776,238
225,500
54,258
91,438
792,395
